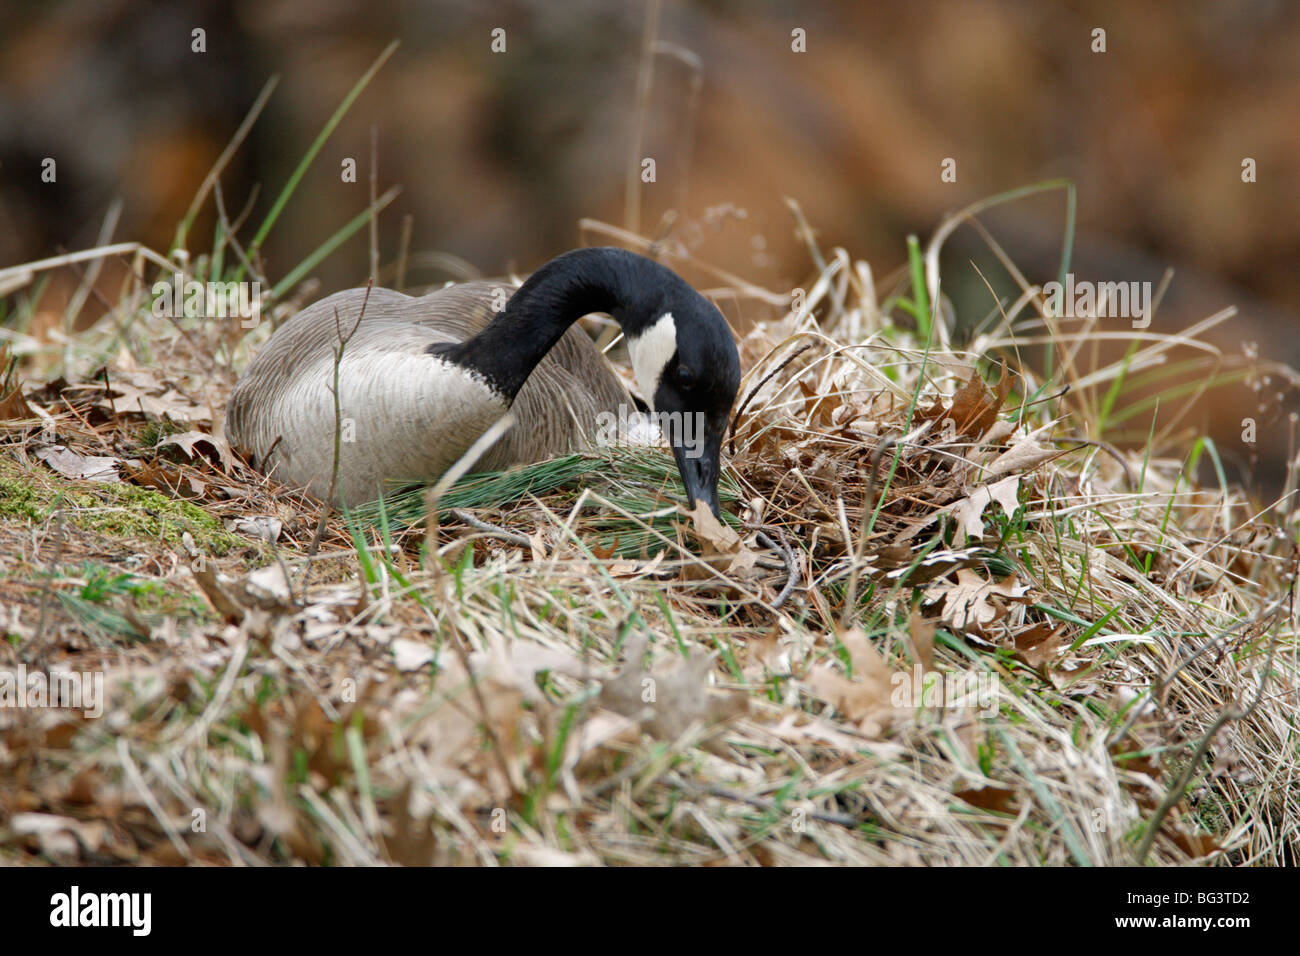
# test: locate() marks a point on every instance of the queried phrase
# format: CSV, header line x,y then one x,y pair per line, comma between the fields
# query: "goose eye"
x,y
685,377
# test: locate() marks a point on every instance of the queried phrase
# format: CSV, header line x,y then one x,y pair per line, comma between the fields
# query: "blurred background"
x,y
500,154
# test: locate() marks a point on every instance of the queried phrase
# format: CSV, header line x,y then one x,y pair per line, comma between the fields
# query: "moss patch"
x,y
117,510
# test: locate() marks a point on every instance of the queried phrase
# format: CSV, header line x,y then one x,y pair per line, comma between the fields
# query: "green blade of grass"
x,y
182,230
305,163
353,225
1116,387
920,295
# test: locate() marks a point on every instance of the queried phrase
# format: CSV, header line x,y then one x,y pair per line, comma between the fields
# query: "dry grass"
x,y
573,671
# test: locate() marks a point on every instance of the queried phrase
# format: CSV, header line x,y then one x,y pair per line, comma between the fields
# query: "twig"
x,y
731,434
644,81
238,853
851,594
338,417
1105,446
198,731
491,529
1176,792
686,140
91,274
498,750
791,565
215,172
229,229
1226,536
374,212
805,230
453,474
403,250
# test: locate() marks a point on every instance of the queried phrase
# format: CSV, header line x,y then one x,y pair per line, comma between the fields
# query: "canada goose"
x,y
422,378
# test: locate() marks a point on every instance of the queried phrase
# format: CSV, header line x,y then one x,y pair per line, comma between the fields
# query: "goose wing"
x,y
406,415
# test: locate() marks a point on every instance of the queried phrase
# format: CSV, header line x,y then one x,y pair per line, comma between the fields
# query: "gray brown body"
x,y
407,415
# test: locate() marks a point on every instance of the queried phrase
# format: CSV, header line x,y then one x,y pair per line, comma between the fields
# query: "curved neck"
x,y
629,287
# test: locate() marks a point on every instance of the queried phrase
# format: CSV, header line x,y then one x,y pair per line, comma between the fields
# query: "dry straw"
x,y
571,670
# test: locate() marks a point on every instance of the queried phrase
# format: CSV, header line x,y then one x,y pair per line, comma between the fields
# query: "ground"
x,y
945,622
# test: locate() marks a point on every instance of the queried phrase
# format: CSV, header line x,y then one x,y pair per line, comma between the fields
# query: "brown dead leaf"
x,y
1193,844
865,700
13,407
921,632
79,467
667,697
413,842
995,799
764,653
602,729
973,603
998,433
537,546
1040,645
475,730
153,475
409,655
719,541
141,392
262,527
599,553
187,441
710,532
267,588
820,406
522,661
85,786
969,511
637,569
974,407
222,602
1025,455
1131,756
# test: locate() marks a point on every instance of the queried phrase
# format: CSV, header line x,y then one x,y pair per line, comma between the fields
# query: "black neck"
x,y
631,288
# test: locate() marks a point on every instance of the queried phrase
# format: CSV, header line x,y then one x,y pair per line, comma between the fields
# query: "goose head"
x,y
687,367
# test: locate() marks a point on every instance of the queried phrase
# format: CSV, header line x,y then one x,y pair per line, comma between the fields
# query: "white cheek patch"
x,y
650,352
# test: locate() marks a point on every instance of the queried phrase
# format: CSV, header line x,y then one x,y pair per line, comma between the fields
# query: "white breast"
x,y
405,417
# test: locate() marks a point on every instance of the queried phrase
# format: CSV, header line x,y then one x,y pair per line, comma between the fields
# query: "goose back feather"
x,y
408,415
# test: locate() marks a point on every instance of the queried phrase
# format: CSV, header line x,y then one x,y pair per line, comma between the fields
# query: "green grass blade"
x,y
353,225
305,163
